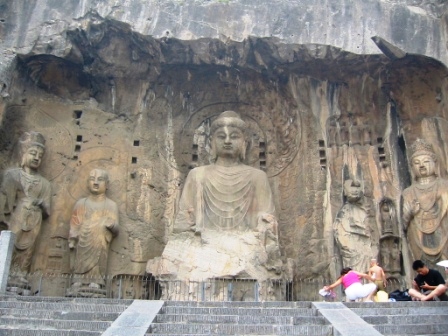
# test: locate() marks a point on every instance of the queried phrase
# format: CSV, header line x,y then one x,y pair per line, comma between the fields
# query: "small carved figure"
x,y
353,228
24,201
388,218
355,133
332,132
390,254
93,225
425,205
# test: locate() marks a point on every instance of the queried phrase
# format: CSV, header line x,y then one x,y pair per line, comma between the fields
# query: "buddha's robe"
x,y
224,198
93,225
26,197
225,228
427,230
353,234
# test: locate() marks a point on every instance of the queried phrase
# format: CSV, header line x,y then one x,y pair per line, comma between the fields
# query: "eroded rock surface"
x,y
138,102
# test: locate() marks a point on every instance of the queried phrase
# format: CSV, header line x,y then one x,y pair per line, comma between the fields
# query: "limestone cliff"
x,y
132,87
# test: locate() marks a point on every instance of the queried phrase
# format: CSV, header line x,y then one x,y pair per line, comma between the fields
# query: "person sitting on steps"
x,y
428,280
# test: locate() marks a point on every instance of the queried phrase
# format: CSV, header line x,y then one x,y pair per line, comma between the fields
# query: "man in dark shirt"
x,y
428,280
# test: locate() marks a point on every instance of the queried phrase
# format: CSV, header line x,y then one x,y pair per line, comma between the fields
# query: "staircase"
x,y
405,318
239,318
46,316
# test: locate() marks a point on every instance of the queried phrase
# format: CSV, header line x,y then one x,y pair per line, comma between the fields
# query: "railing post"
x,y
7,239
230,291
256,291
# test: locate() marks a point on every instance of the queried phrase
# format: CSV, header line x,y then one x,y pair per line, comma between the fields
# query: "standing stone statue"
x,y
353,229
225,225
425,205
24,200
93,225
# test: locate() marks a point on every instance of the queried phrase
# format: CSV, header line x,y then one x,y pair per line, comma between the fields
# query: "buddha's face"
x,y
32,158
423,165
228,141
97,182
353,192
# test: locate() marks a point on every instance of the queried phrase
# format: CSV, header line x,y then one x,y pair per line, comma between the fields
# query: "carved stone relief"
x,y
225,225
316,117
25,199
425,205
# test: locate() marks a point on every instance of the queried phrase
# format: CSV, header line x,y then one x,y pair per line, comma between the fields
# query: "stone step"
x,y
249,329
240,304
31,332
64,299
405,319
58,314
242,319
396,305
64,306
33,323
401,311
414,329
174,310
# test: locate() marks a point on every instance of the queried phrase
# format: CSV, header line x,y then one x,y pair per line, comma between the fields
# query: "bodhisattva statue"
x,y
425,205
24,201
353,229
93,225
225,225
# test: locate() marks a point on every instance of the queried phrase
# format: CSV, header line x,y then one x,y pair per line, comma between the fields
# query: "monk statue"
x,y
425,205
353,228
25,198
93,225
225,225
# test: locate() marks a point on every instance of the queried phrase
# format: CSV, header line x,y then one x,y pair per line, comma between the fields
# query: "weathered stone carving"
x,y
353,228
226,225
24,200
93,225
425,205
388,217
390,255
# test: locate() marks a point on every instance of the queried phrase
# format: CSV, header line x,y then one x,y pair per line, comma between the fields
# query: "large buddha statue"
x,y
225,225
425,205
93,225
25,198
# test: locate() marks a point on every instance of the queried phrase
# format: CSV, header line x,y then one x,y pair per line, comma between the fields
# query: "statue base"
x,y
223,290
91,290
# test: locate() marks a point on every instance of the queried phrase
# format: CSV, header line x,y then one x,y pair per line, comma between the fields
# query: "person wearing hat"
x,y
428,281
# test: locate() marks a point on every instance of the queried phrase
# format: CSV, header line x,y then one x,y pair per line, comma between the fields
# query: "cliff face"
x,y
416,26
131,87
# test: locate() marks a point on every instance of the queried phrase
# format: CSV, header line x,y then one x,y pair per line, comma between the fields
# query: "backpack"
x,y
399,295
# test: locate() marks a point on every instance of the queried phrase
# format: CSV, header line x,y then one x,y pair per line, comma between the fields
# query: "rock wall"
x,y
132,88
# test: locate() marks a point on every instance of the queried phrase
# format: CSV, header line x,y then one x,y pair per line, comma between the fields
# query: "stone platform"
x,y
44,316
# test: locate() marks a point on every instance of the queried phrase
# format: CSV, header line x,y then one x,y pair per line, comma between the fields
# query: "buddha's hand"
x,y
415,207
71,243
37,202
271,221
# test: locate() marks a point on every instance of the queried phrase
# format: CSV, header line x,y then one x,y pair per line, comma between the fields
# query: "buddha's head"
x,y
98,181
32,148
353,191
423,159
228,136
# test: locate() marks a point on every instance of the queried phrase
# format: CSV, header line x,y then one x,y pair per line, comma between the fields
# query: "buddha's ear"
x,y
212,152
244,146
